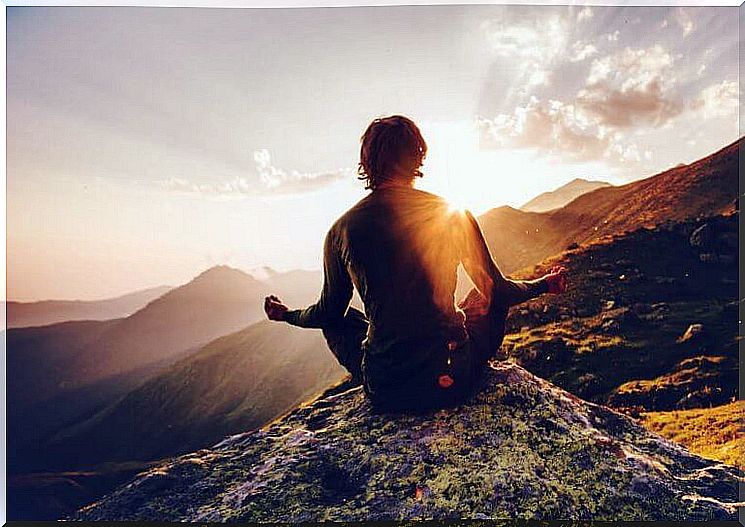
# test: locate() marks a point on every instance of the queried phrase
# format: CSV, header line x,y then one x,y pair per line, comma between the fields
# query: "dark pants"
x,y
485,327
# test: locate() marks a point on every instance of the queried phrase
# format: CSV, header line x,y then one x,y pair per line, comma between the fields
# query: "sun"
x,y
457,203
476,179
456,168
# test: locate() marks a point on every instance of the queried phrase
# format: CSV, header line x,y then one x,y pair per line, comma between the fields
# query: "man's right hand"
x,y
557,280
274,308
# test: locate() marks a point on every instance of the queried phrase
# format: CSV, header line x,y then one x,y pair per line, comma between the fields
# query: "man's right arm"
x,y
335,296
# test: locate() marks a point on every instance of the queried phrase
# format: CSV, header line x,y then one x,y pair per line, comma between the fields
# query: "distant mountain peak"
x,y
263,272
563,195
221,272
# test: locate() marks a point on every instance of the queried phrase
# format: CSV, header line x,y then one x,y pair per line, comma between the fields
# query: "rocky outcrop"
x,y
521,448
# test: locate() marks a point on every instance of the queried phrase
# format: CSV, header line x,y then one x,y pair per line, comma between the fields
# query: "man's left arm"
x,y
336,294
478,257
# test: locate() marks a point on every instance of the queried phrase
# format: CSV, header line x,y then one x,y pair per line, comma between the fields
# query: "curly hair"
x,y
391,147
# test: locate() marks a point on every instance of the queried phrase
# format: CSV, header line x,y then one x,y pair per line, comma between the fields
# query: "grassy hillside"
x,y
649,321
714,433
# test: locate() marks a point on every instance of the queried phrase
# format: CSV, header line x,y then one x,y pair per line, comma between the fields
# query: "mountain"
x,y
563,195
68,378
64,372
235,383
218,301
702,188
520,448
45,312
649,322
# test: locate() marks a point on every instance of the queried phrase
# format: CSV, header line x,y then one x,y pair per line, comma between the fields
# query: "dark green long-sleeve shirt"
x,y
401,247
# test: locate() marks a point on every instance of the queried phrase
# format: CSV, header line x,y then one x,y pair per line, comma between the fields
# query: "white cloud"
x,y
632,87
684,20
582,51
613,37
718,100
584,14
269,180
555,128
535,44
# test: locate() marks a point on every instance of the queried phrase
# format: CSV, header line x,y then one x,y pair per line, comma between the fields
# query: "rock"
x,y
658,312
611,326
702,238
692,332
589,386
522,447
697,382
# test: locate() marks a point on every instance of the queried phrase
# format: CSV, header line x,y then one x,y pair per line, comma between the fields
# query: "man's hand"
x,y
557,280
275,309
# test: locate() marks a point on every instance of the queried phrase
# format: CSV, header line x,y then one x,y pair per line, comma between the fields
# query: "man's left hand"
x,y
557,280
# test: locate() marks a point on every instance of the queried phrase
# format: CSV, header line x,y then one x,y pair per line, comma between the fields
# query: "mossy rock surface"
x,y
521,448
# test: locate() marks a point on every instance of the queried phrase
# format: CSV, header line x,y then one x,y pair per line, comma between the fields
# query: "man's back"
x,y
402,250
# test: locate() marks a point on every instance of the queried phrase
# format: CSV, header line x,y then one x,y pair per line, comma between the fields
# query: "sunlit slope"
x,y
563,195
703,188
714,433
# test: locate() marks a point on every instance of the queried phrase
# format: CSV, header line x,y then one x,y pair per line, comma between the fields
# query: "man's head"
x,y
392,149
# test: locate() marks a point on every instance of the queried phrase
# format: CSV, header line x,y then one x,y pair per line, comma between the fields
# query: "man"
x,y
401,248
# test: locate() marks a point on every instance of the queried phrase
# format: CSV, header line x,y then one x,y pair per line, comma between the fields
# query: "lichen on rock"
x,y
520,448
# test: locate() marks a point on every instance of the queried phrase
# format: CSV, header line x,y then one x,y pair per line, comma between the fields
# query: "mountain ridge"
x,y
562,195
45,312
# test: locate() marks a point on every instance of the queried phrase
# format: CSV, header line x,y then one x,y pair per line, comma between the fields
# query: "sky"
x,y
145,145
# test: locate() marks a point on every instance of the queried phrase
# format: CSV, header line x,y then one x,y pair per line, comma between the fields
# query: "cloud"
x,y
718,100
582,51
584,14
553,128
273,178
632,87
684,20
535,44
269,180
